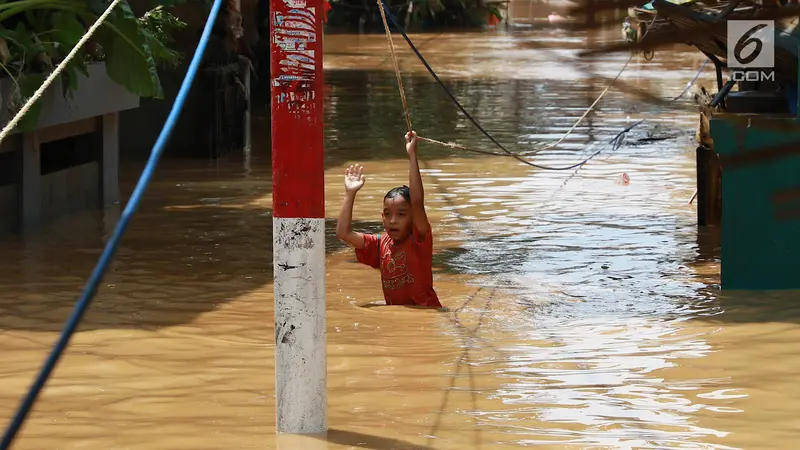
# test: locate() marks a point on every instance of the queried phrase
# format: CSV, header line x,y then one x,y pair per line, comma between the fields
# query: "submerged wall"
x,y
70,161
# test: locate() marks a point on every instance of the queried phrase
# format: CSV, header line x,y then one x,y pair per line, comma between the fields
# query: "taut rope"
x,y
396,66
453,145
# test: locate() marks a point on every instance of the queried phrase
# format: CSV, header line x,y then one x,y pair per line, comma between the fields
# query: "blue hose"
x,y
111,247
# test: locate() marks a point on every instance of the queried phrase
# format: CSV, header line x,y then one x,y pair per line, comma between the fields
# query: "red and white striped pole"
x,y
298,227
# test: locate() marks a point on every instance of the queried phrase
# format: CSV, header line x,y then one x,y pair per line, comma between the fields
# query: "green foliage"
x,y
28,84
158,26
36,35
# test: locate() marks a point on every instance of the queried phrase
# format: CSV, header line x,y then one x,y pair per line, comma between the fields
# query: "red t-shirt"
x,y
406,268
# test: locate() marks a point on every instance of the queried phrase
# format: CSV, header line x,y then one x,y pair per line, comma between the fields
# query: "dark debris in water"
x,y
658,136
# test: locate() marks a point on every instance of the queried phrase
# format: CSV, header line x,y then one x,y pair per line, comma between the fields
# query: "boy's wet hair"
x,y
402,191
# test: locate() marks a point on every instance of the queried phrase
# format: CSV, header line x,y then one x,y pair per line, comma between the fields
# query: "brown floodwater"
x,y
584,313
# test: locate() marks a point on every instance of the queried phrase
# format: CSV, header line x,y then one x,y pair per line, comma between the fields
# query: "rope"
x,y
113,242
614,140
396,66
602,94
63,64
384,14
691,83
458,147
617,140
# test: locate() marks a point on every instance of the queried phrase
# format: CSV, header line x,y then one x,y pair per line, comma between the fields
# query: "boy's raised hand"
x,y
354,178
411,143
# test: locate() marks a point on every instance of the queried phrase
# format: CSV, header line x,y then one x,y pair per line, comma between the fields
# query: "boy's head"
x,y
396,214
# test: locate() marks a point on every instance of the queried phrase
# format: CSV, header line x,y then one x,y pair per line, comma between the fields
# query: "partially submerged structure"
x,y
63,156
748,158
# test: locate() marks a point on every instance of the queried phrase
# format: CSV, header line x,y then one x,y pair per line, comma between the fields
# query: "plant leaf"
x,y
28,85
5,54
129,61
82,68
158,25
97,6
68,30
161,53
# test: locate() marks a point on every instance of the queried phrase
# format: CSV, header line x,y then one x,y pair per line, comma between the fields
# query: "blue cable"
x,y
108,253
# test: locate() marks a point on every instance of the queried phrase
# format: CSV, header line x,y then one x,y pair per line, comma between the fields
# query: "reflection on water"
x,y
584,313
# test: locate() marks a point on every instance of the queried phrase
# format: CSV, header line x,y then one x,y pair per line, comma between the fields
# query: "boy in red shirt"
x,y
404,253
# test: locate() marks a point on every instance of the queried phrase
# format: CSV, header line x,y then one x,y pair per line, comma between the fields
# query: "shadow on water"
x,y
720,306
184,254
361,440
153,282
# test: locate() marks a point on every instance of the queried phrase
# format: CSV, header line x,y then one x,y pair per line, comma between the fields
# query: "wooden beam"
x,y
709,187
66,130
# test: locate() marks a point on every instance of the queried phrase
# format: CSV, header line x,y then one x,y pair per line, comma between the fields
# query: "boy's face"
x,y
397,218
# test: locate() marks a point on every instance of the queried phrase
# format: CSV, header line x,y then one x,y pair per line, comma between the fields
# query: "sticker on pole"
x,y
751,50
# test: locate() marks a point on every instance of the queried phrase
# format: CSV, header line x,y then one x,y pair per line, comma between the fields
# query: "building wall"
x,y
62,192
70,190
9,209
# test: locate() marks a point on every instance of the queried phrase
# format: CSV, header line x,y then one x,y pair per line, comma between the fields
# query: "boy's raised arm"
x,y
415,186
353,181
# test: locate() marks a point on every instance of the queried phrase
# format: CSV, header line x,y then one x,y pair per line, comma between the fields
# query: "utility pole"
x,y
298,201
